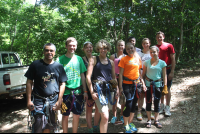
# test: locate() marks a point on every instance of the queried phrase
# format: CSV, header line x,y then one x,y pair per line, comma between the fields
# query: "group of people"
x,y
99,81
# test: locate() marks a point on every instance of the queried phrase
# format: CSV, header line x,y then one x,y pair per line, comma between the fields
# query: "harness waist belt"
x,y
135,81
50,97
150,80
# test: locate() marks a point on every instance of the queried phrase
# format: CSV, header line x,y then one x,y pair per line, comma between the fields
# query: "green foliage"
x,y
26,28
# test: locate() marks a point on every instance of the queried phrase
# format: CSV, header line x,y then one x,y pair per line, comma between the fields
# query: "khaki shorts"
x,y
104,108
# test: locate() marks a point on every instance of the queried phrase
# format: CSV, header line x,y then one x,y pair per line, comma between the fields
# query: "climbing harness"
x,y
138,87
44,111
107,88
73,103
30,120
153,88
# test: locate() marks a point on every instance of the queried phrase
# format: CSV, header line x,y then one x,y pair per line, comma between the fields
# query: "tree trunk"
x,y
181,34
15,31
27,48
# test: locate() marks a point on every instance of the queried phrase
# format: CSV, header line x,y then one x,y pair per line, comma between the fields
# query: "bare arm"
x,y
143,77
121,71
90,68
164,75
84,86
112,57
171,75
29,84
114,78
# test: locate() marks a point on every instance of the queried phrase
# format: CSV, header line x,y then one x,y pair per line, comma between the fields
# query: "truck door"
x,y
5,60
14,61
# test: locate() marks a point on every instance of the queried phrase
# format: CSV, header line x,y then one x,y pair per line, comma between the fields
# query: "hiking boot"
x,y
113,120
162,108
122,119
127,129
96,129
90,130
167,111
132,127
139,116
152,116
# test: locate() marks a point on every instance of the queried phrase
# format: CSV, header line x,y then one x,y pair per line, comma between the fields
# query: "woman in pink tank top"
x,y
116,57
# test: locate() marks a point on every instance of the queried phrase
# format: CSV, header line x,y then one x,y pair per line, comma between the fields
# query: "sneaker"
x,y
127,129
90,130
152,116
122,119
139,116
167,111
96,129
113,120
162,108
132,127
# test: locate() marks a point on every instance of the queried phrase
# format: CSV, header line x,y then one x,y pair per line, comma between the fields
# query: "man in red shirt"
x,y
167,54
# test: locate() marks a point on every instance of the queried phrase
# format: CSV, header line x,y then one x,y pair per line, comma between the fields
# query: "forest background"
x,y
25,27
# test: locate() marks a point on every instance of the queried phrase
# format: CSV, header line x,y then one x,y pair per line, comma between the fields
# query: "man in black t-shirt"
x,y
49,85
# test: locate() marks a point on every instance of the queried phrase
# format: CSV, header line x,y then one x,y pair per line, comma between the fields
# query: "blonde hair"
x,y
102,43
137,58
119,41
145,40
70,39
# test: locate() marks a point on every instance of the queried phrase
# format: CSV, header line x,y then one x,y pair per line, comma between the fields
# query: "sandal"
x,y
157,124
148,124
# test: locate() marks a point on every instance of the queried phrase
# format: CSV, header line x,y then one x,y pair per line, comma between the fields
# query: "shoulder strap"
x,y
86,58
115,55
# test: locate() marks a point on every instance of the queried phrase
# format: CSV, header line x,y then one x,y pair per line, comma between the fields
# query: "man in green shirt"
x,y
75,85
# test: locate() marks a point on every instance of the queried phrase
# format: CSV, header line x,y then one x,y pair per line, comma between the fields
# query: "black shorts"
x,y
169,82
76,109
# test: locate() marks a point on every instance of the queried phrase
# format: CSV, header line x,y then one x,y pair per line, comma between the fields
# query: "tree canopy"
x,y
25,28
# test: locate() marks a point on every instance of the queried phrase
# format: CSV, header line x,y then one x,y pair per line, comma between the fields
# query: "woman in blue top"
x,y
153,71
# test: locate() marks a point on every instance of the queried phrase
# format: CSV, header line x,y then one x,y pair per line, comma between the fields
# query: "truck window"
x,y
13,59
5,59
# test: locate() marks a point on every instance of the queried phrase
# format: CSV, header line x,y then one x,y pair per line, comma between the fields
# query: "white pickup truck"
x,y
12,79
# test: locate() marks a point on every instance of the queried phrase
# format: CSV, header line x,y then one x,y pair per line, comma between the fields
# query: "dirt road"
x,y
185,110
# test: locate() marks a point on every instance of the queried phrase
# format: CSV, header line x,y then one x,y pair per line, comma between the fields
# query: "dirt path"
x,y
185,110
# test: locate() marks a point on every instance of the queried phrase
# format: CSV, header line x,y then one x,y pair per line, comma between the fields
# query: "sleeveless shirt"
x,y
102,72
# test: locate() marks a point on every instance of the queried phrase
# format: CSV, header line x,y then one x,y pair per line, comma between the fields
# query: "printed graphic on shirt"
x,y
73,69
48,78
132,62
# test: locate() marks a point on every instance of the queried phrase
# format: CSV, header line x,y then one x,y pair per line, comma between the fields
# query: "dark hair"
x,y
160,33
87,42
49,44
131,37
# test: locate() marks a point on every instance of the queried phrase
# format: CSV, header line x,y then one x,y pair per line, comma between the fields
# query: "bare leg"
x,y
140,102
131,118
126,120
148,115
168,98
75,123
104,122
46,131
89,114
114,109
97,116
162,99
65,123
156,116
122,108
